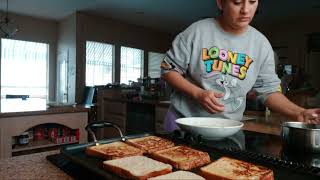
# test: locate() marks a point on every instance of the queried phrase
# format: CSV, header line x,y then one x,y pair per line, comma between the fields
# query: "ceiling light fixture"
x,y
7,27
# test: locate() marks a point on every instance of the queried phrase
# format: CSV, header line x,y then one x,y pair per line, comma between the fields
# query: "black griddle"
x,y
283,168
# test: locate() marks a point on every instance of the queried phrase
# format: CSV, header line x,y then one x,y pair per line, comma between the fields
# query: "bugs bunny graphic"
x,y
228,85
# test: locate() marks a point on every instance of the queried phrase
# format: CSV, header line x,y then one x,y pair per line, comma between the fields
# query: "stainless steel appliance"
x,y
299,136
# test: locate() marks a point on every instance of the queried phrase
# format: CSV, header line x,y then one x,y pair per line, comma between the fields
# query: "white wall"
x,y
67,52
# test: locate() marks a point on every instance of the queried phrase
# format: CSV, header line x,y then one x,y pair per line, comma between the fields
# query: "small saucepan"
x,y
302,137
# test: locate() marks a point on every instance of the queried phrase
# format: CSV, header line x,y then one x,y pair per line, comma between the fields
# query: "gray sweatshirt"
x,y
213,59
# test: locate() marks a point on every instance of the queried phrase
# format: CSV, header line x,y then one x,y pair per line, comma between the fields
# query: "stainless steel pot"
x,y
299,136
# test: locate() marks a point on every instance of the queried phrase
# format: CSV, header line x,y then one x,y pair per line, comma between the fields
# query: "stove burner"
x,y
311,159
187,137
216,144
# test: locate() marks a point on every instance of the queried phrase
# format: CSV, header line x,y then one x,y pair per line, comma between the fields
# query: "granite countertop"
x,y
258,122
32,166
140,101
35,106
49,110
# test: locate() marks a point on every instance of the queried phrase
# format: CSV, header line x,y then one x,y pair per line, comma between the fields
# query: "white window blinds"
x,y
154,60
99,63
131,64
24,68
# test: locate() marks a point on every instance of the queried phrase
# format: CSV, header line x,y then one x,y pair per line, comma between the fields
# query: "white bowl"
x,y
210,128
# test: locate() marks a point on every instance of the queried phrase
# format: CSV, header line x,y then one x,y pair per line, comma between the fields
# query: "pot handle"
x,y
102,124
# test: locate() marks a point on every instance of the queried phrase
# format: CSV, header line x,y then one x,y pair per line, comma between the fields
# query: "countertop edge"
x,y
50,110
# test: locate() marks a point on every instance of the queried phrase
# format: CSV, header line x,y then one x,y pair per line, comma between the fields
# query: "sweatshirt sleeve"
x,y
177,58
267,81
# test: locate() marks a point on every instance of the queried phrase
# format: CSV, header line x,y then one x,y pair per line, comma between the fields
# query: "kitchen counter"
x,y
140,101
253,120
34,106
32,166
258,122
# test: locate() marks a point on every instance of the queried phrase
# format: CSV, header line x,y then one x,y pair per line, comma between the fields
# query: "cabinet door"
x,y
114,112
113,107
313,69
112,132
116,119
160,115
140,118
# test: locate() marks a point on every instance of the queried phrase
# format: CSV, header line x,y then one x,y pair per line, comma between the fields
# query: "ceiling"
x,y
164,15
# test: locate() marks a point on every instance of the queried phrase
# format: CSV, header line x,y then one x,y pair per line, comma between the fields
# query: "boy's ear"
x,y
219,4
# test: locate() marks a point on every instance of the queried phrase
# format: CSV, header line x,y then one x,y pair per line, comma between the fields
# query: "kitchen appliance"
x,y
210,128
299,136
74,161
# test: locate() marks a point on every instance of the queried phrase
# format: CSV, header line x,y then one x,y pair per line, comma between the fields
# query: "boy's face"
x,y
238,13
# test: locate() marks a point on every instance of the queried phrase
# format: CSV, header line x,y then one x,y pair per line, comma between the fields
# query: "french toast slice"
x,y
137,167
232,169
150,143
113,150
178,175
182,157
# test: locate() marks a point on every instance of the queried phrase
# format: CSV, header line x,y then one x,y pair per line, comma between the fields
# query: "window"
x,y
154,60
24,68
131,64
99,63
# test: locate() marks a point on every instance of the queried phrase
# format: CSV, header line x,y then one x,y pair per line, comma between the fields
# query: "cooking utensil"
x,y
210,128
102,124
299,136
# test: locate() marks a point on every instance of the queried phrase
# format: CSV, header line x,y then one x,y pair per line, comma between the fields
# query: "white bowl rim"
x,y
178,121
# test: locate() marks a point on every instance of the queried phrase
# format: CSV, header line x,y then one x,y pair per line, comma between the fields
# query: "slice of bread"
x,y
137,167
228,168
151,143
182,157
113,150
178,175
